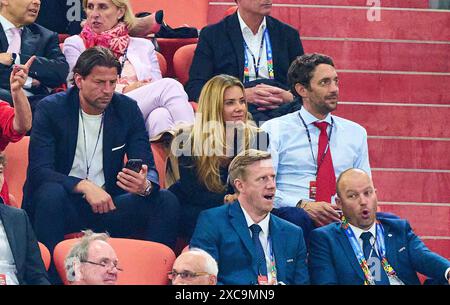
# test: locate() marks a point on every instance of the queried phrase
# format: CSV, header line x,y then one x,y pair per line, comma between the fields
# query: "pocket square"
x,y
402,249
118,147
290,260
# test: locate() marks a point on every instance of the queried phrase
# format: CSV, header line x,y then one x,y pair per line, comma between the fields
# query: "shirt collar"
x,y
264,224
6,24
244,26
359,231
309,118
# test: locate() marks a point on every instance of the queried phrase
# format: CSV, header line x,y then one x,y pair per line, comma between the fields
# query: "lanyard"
x,y
264,38
89,164
273,268
360,256
317,164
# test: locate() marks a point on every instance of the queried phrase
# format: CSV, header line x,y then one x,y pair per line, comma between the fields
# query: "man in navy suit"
x,y
75,177
366,249
250,245
21,38
255,48
19,250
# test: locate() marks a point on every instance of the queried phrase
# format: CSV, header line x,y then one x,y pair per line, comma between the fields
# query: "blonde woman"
x,y
221,130
163,101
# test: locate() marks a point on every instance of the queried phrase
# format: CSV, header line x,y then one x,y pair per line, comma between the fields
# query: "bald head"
x,y
357,198
196,261
350,174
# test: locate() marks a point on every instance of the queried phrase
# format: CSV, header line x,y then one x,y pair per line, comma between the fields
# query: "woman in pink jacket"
x,y
163,101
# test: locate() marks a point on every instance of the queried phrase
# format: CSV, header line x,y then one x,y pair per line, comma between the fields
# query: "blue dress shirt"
x,y
292,157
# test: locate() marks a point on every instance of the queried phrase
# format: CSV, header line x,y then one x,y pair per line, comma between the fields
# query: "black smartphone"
x,y
134,164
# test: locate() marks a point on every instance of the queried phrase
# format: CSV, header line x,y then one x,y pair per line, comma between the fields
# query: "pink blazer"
x,y
141,54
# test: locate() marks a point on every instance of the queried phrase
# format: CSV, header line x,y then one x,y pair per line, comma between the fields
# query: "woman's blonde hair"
x,y
128,16
208,135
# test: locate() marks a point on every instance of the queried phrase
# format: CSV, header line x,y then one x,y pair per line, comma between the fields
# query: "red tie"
x,y
326,179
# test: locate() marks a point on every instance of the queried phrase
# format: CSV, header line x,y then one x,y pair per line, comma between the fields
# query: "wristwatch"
x,y
301,204
13,59
148,189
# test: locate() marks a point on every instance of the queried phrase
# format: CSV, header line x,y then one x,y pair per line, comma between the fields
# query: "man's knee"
x,y
50,194
168,202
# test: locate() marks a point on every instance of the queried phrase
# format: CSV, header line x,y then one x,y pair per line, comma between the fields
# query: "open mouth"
x,y
269,197
33,11
365,213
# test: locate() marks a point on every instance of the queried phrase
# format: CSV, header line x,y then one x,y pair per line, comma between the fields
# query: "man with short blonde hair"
x,y
251,245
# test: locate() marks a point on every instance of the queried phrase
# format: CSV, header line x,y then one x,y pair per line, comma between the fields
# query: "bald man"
x,y
366,249
194,267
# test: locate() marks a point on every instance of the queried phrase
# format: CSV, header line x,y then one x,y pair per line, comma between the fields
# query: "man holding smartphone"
x,y
76,179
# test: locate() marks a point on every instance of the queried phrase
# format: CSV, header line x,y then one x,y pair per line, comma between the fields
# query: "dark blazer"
x,y
50,66
220,50
53,142
332,260
224,234
24,246
193,195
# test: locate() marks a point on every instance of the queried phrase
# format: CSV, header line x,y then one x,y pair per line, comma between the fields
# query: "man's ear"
x,y
301,90
77,79
238,185
338,202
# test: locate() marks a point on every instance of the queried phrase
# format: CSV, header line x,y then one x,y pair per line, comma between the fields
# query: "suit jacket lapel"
x,y
235,35
389,245
278,243
29,41
3,40
239,224
109,132
348,250
8,223
72,125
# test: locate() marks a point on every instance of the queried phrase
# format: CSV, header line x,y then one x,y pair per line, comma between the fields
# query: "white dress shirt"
x,y
253,42
294,165
263,237
7,264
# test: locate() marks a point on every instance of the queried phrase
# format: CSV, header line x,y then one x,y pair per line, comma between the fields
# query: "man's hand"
x,y
133,182
6,59
135,85
267,97
19,75
99,200
321,212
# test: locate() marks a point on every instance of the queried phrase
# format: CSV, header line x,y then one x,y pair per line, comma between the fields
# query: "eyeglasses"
x,y
172,275
109,264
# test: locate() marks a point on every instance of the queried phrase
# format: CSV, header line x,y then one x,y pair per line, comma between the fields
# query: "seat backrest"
x,y
45,254
231,10
176,13
143,262
16,167
182,60
162,64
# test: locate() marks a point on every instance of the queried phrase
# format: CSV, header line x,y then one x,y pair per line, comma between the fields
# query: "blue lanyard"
x,y
265,38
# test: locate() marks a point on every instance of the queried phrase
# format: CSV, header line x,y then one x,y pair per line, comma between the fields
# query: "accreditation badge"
x,y
263,280
312,190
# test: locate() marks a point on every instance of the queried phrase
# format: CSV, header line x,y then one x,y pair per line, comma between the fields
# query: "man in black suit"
x,y
20,38
255,48
19,249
